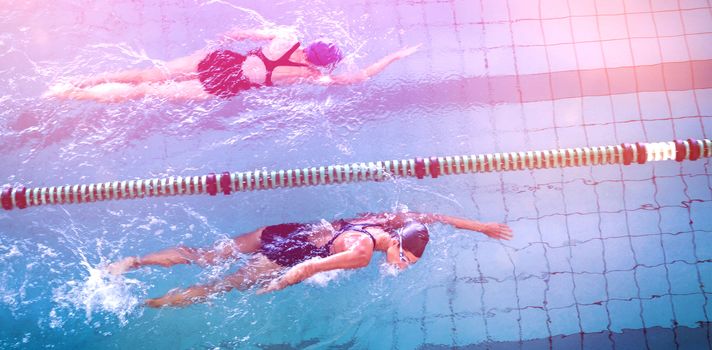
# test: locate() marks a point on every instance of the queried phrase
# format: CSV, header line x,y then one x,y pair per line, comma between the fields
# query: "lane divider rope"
x,y
227,183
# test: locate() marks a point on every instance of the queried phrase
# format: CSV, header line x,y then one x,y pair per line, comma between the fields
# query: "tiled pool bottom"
x,y
656,338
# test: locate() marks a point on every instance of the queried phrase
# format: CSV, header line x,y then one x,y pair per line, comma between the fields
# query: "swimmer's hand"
x,y
295,275
61,90
407,51
273,286
496,230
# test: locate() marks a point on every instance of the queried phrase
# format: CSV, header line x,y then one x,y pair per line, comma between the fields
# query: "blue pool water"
x,y
603,257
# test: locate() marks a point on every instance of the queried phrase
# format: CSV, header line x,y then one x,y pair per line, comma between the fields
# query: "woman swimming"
x,y
224,73
286,254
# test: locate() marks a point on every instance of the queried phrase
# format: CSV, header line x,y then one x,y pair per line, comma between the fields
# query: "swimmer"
x,y
286,254
224,73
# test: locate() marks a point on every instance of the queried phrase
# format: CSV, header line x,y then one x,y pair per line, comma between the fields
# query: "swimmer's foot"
x,y
122,265
155,303
179,298
60,90
167,300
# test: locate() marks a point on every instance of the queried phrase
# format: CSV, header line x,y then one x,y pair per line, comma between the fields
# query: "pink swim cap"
x,y
323,53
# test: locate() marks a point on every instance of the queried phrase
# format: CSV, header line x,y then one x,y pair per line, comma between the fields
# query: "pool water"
x,y
603,257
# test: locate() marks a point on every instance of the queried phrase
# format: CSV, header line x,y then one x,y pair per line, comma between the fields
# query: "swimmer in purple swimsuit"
x,y
286,254
224,73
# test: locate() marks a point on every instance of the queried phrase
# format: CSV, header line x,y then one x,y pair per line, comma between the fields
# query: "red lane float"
x,y
227,183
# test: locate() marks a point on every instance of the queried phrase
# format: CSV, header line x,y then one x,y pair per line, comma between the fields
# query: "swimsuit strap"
x,y
351,227
282,61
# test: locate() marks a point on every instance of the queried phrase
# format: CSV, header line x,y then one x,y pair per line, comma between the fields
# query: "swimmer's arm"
x,y
370,71
355,258
491,229
396,220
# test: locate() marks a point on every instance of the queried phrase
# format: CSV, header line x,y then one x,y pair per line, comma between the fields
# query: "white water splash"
x,y
100,293
322,279
387,269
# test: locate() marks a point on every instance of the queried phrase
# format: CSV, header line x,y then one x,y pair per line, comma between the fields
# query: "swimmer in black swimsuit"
x,y
286,254
224,73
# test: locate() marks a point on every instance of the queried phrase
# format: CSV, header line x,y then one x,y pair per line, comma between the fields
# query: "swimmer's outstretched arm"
x,y
370,71
492,229
395,220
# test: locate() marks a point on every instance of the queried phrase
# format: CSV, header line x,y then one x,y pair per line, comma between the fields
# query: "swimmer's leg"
x,y
244,244
180,69
248,243
259,268
166,258
118,92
